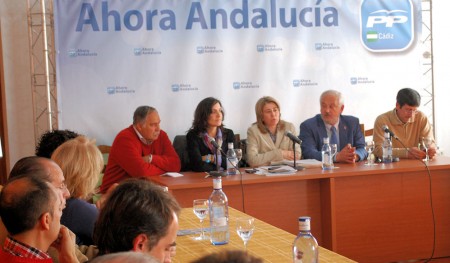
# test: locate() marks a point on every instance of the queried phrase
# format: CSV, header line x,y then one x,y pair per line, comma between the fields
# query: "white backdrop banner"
x,y
113,56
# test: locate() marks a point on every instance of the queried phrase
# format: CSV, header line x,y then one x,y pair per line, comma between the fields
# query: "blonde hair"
x,y
81,162
260,115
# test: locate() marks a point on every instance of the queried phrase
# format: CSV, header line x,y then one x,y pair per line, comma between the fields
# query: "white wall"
x,y
18,94
441,56
18,91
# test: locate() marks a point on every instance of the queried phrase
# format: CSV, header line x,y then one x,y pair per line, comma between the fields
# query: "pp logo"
x,y
175,87
296,83
110,90
72,53
260,48
137,51
236,85
386,25
200,50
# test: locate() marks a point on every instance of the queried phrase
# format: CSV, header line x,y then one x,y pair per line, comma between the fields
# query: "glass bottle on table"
x,y
305,248
232,160
327,156
218,214
387,148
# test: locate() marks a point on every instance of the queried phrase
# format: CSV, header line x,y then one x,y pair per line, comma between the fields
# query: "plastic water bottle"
x,y
218,214
387,148
305,248
327,161
232,160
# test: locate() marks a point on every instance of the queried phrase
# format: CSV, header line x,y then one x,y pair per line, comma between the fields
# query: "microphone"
x,y
386,129
293,137
214,143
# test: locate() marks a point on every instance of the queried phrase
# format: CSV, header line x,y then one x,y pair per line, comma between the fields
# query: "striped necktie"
x,y
334,138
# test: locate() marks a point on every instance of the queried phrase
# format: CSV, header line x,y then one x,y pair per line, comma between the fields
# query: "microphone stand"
x,y
298,168
217,173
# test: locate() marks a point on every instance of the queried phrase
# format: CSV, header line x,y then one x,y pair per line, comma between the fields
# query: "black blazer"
x,y
196,149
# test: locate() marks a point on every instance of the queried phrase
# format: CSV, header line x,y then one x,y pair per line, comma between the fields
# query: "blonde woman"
x,y
266,139
81,162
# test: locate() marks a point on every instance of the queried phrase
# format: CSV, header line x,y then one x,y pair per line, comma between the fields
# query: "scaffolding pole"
x,y
43,70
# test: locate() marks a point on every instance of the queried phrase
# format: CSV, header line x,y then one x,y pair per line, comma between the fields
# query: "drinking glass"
x,y
244,228
370,146
426,143
200,208
333,148
238,152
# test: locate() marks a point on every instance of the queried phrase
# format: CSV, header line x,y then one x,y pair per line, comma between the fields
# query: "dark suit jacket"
x,y
312,132
196,148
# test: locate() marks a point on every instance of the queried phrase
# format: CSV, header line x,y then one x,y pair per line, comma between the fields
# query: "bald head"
x,y
23,200
45,168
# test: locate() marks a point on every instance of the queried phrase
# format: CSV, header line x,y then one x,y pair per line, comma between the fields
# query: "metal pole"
x,y
46,63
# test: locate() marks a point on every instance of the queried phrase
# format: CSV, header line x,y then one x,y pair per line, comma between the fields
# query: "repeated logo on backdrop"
x,y
387,25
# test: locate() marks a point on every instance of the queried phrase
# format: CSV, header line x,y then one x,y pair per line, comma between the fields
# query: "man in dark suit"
x,y
342,130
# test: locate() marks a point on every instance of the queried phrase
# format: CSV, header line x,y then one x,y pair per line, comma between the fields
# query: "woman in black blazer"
x,y
206,126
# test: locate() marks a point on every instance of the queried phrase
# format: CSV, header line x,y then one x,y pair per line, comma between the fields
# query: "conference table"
x,y
382,213
268,242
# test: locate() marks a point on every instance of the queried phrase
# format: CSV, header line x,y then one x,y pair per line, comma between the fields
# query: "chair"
x,y
180,145
367,133
104,149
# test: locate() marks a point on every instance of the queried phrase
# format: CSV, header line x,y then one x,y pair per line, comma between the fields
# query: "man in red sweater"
x,y
141,150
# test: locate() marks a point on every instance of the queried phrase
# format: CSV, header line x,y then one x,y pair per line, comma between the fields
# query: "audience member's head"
x,y
51,140
229,256
264,108
409,97
203,115
125,257
30,207
138,216
81,162
46,168
331,106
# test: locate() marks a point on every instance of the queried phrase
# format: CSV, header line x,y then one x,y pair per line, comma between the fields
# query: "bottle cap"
x,y
230,145
304,223
217,182
326,140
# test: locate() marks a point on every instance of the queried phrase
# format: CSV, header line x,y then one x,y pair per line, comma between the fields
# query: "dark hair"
x,y
408,96
229,256
136,206
20,210
141,112
202,112
31,165
50,140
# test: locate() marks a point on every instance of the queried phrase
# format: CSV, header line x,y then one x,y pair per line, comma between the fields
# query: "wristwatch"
x,y
150,157
208,158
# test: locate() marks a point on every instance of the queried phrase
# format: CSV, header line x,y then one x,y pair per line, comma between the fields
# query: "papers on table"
x,y
307,163
276,170
170,174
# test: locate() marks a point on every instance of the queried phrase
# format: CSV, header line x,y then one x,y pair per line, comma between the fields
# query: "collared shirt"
x,y
19,249
141,138
409,133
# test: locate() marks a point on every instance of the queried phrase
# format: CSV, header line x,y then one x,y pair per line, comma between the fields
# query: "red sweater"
x,y
125,158
7,257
